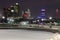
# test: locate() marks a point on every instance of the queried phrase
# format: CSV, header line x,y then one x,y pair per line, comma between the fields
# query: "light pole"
x,y
50,18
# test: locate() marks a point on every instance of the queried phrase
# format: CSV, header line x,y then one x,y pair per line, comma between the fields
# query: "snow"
x,y
15,34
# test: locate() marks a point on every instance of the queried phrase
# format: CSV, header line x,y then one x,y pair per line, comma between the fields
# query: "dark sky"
x,y
35,6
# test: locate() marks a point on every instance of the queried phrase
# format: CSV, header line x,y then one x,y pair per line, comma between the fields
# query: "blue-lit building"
x,y
43,14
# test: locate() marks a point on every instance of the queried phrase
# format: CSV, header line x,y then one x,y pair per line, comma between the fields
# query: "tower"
x,y
16,8
42,15
12,11
57,13
28,10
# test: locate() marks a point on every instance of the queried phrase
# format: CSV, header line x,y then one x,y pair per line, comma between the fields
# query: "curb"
x,y
36,29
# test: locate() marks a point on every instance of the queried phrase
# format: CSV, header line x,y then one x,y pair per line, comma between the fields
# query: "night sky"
x,y
35,6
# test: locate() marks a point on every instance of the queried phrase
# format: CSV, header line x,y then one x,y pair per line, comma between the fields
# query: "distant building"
x,y
16,9
28,10
57,11
26,14
22,13
43,14
12,11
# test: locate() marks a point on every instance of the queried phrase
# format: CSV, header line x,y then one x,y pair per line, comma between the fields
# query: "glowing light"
x,y
42,9
38,17
42,15
34,21
11,19
3,17
24,23
12,10
11,6
42,19
38,20
17,3
50,18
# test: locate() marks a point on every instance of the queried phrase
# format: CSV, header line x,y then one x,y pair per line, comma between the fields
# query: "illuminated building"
x,y
16,9
57,13
12,11
8,12
28,11
26,14
42,15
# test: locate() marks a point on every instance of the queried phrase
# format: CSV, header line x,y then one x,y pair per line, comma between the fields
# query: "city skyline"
x,y
35,6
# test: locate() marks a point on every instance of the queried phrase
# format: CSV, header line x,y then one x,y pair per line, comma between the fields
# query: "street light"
x,y
3,17
50,22
12,10
42,19
17,3
50,18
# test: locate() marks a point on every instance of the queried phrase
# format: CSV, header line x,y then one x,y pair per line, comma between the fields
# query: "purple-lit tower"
x,y
42,15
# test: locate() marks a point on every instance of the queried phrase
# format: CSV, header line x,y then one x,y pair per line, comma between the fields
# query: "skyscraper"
x,y
42,15
28,10
12,11
16,9
57,13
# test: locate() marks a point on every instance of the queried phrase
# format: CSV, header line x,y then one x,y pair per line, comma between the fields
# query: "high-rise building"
x,y
8,12
57,13
16,8
12,11
28,10
42,15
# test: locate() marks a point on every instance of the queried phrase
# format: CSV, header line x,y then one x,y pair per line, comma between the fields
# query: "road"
x,y
14,34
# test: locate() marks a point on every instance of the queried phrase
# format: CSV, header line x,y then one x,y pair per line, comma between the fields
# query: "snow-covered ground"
x,y
56,36
12,34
